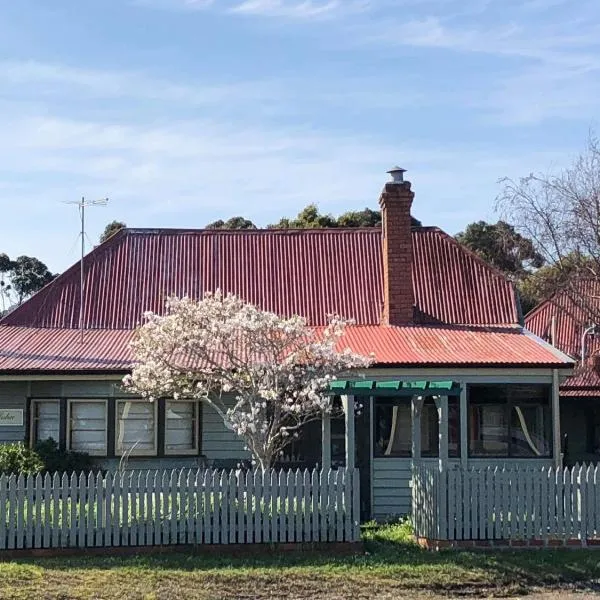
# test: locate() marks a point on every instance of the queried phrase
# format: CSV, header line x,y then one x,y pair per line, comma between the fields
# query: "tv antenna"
x,y
82,205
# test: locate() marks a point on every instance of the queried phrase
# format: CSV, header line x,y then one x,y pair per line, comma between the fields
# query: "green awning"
x,y
371,387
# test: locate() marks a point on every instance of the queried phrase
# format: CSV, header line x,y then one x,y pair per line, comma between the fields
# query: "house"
x,y
568,320
456,379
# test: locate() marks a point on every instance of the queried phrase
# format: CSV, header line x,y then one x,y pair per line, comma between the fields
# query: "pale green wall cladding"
x,y
391,487
46,389
149,462
218,442
76,389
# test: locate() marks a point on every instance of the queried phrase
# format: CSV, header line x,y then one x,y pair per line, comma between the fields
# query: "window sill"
x,y
96,454
505,457
407,456
193,452
148,454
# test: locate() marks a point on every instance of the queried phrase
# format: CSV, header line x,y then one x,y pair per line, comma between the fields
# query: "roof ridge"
x,y
257,231
265,230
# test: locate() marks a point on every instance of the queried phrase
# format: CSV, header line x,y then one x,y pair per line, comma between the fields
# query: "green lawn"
x,y
392,567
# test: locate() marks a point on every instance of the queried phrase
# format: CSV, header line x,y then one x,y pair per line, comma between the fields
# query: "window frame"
x,y
155,451
390,402
32,419
196,429
70,402
508,409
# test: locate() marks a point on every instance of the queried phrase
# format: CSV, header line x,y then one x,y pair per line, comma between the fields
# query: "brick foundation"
x,y
534,544
227,550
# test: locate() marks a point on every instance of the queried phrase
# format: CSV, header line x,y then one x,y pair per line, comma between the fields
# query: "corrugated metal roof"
x,y
451,345
308,272
465,311
571,317
27,349
585,383
454,286
31,349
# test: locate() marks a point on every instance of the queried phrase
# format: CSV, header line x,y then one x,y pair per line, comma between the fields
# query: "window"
x,y
430,429
393,428
87,426
45,420
136,427
510,421
181,435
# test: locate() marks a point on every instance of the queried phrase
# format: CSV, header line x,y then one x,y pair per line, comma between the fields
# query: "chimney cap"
x,y
397,174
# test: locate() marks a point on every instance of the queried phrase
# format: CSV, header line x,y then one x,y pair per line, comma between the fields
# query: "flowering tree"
x,y
266,376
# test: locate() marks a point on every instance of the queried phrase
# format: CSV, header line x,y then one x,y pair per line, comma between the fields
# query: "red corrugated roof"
x,y
451,345
465,311
584,383
571,317
30,349
308,272
27,349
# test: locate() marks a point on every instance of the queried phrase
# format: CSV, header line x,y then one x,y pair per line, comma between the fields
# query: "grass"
x,y
391,567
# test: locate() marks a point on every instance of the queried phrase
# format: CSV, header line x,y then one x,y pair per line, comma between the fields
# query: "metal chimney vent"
x,y
397,174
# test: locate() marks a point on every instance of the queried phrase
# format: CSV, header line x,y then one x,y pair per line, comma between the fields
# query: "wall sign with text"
x,y
11,417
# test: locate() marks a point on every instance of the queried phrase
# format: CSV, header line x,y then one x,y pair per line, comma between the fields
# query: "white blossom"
x,y
275,370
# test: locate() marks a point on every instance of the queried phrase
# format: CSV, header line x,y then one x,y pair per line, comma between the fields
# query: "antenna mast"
x,y
81,204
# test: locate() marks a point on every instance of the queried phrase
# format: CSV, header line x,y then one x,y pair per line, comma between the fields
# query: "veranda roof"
x,y
373,387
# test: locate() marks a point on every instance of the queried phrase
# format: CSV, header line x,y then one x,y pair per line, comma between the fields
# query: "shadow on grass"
x,y
390,555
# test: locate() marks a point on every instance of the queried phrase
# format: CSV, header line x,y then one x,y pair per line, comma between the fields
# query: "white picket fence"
x,y
513,503
189,506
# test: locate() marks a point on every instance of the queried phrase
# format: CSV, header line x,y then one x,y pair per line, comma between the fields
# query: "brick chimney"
x,y
398,298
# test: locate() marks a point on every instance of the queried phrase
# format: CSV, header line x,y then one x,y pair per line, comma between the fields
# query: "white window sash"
x,y
104,441
195,436
120,432
33,424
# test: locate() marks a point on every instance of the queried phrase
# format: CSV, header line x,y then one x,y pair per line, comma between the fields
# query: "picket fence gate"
x,y
506,503
188,506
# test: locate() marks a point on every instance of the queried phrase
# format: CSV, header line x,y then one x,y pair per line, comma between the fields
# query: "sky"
x,y
186,111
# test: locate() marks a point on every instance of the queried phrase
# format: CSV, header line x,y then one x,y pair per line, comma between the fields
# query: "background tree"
x,y
233,223
560,213
500,245
5,285
20,278
266,376
310,218
28,275
111,229
542,283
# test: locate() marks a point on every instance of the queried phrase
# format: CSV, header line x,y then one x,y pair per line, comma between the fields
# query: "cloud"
x,y
554,43
195,171
56,79
283,9
305,9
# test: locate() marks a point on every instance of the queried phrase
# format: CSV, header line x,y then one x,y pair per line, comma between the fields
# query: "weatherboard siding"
x,y
218,442
219,445
76,389
140,463
13,394
391,487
